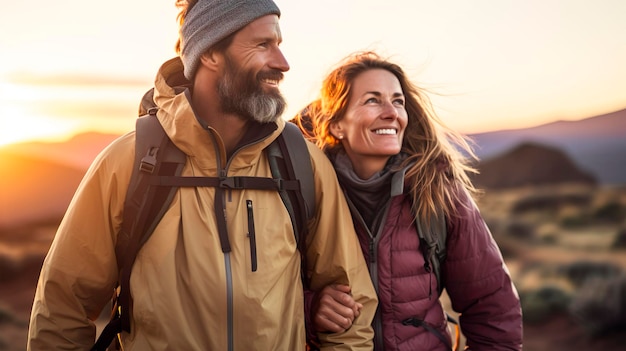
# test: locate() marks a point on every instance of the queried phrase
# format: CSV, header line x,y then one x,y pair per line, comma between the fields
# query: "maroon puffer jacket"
x,y
474,275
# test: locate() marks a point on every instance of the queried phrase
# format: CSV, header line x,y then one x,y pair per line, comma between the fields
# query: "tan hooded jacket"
x,y
187,293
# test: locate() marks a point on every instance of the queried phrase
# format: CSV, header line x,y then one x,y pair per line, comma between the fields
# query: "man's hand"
x,y
334,309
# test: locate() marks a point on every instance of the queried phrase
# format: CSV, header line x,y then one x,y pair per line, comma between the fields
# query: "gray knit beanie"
x,y
210,21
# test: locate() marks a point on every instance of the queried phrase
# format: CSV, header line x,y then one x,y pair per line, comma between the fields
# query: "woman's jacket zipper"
x,y
372,264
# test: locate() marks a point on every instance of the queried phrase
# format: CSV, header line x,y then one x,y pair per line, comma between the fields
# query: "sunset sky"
x,y
70,66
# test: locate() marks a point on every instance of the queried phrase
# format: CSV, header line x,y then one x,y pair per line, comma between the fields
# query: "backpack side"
x,y
433,237
289,158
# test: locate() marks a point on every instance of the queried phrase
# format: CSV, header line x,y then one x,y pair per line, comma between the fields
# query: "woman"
x,y
399,167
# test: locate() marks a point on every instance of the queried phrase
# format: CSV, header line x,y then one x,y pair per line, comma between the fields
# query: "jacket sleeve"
x,y
479,284
80,271
334,256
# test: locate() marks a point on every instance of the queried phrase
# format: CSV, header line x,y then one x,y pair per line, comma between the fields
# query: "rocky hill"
x,y
596,144
530,164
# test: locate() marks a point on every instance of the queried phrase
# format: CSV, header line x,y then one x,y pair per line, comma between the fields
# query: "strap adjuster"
x,y
230,183
148,162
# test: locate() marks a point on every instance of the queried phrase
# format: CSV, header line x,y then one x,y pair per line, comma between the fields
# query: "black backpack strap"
x,y
144,206
416,322
433,237
289,160
296,154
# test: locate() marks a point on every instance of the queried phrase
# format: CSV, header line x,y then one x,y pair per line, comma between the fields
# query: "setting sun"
x,y
56,108
21,120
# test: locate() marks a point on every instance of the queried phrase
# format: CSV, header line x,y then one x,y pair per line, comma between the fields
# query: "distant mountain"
x,y
529,164
596,144
34,188
38,180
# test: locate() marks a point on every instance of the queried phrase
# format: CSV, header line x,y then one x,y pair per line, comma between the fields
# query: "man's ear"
x,y
211,60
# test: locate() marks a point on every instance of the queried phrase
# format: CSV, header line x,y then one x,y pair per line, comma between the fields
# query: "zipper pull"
x,y
251,235
372,253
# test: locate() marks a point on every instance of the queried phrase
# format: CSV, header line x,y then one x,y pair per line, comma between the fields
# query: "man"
x,y
219,103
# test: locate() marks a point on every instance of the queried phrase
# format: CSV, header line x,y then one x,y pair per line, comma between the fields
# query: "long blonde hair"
x,y
437,164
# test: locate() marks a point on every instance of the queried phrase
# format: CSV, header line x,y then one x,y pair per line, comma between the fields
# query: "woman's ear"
x,y
336,130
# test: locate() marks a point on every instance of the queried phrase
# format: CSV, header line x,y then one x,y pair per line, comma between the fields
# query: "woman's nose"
x,y
390,110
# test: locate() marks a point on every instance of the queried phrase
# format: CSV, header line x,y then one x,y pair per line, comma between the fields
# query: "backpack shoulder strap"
x,y
144,206
295,145
155,154
289,159
434,236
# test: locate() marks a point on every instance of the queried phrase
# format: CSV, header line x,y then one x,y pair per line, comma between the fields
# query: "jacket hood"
x,y
171,98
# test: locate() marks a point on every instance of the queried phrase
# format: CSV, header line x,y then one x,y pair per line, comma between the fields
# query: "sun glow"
x,y
20,120
19,125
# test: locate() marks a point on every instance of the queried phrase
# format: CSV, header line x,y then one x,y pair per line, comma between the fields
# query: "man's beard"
x,y
241,94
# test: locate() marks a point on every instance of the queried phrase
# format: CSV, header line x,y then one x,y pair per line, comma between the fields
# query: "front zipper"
x,y
377,323
224,240
222,228
378,320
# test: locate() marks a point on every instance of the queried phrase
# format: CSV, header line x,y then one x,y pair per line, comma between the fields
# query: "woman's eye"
x,y
399,102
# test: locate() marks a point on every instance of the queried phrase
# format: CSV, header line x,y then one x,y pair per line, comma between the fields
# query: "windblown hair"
x,y
438,171
184,6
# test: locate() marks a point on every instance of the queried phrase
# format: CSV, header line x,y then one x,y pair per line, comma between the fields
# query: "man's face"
x,y
242,93
254,66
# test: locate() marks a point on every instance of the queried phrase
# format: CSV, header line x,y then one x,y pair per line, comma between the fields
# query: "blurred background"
x,y
537,85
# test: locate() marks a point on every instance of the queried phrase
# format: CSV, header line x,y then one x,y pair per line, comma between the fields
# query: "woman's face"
x,y
373,126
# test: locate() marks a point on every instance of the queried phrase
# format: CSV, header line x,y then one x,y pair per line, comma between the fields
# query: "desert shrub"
x,y
520,230
579,272
573,216
548,300
620,239
9,268
550,202
610,212
600,305
574,221
6,316
548,233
